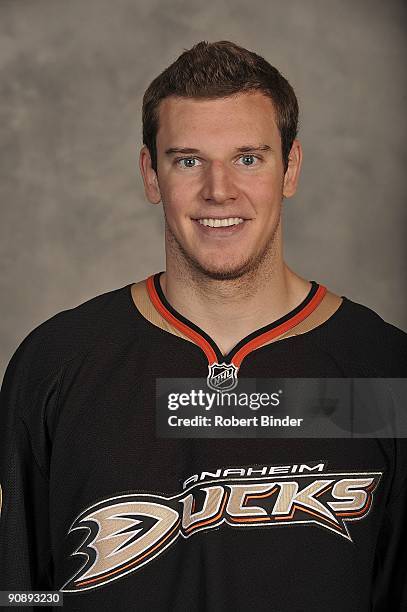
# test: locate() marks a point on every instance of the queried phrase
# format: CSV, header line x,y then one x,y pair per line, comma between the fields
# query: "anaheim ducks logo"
x,y
125,532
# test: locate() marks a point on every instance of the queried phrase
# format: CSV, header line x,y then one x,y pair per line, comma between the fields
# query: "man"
x,y
99,506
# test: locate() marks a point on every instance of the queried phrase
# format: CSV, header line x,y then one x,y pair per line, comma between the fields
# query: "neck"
x,y
228,310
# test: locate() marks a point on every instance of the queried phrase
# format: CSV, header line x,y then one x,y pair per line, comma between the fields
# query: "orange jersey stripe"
x,y
280,329
197,338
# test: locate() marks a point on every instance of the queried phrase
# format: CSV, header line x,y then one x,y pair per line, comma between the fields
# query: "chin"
x,y
227,271
211,266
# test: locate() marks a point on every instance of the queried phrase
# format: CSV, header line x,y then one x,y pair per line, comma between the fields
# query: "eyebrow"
x,y
244,149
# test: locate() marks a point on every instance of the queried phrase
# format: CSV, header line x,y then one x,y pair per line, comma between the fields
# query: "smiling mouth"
x,y
217,222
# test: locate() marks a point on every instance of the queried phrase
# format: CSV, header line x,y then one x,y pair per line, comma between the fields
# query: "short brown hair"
x,y
217,70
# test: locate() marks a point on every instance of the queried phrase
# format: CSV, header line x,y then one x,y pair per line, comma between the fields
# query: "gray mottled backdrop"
x,y
74,220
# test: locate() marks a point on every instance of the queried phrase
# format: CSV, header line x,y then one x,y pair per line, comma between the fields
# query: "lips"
x,y
213,226
220,222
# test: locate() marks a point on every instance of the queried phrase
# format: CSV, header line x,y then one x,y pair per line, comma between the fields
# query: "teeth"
x,y
221,222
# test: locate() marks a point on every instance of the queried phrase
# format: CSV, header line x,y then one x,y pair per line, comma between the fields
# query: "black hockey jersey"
x,y
96,505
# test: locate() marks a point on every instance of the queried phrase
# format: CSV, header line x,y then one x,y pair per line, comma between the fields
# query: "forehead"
x,y
235,120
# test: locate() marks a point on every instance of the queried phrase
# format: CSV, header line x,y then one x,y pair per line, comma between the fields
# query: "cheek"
x,y
267,183
271,185
176,206
172,196
179,196
265,194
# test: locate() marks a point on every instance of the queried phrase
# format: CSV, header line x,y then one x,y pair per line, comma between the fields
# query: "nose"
x,y
218,184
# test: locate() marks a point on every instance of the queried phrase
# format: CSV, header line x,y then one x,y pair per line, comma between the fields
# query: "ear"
x,y
149,175
292,173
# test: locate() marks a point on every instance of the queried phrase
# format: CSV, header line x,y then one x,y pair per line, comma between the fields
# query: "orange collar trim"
x,y
247,344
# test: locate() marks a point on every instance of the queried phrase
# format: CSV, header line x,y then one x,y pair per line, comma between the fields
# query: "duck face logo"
x,y
126,532
222,376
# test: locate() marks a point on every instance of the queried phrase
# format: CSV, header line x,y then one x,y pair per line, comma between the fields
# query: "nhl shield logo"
x,y
222,376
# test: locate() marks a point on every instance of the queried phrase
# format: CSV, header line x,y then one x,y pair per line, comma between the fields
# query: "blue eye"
x,y
248,160
190,162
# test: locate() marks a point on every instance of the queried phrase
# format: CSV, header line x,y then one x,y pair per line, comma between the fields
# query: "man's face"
x,y
219,162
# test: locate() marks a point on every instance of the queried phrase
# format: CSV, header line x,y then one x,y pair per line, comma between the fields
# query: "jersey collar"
x,y
249,343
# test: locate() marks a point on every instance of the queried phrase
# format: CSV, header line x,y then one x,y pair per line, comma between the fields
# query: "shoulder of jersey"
x,y
66,335
359,337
